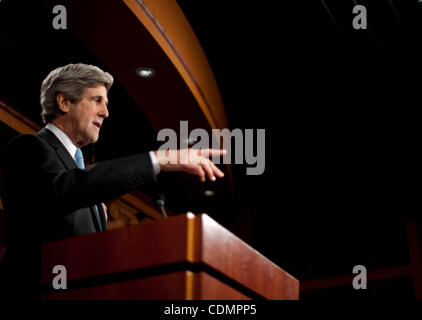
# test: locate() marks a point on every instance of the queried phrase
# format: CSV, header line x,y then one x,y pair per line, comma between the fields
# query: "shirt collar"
x,y
64,139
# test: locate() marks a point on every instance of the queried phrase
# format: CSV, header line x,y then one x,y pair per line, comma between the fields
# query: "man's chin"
x,y
91,139
94,140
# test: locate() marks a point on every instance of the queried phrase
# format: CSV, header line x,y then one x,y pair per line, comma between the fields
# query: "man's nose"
x,y
103,112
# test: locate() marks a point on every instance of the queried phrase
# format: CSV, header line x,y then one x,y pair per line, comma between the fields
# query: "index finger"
x,y
213,152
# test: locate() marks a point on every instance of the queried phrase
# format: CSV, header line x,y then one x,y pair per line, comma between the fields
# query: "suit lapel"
x,y
61,151
69,163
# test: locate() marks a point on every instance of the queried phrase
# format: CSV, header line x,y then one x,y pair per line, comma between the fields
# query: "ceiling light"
x,y
145,72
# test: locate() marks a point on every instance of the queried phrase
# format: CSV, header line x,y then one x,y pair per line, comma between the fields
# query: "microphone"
x,y
154,191
160,202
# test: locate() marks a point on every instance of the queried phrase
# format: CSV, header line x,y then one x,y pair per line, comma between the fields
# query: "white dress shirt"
x,y
64,139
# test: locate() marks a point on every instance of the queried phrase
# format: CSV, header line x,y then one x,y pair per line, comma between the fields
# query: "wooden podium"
x,y
183,257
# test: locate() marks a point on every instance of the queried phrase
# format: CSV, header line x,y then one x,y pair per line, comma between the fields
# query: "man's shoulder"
x,y
23,139
25,143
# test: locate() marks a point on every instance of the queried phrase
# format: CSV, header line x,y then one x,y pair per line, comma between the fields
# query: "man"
x,y
47,192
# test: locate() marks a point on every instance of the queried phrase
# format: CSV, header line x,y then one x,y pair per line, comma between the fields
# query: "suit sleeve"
x,y
32,165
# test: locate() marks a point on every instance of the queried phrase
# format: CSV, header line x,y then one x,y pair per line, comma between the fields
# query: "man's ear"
x,y
63,103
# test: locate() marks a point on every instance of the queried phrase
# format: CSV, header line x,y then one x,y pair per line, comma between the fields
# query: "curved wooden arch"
x,y
168,25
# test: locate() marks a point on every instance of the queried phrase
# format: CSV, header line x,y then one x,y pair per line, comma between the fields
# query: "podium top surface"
x,y
197,242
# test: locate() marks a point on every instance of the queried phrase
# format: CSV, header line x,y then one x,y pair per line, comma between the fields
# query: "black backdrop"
x,y
340,109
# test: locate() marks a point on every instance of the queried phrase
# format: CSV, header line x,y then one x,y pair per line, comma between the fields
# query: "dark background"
x,y
340,110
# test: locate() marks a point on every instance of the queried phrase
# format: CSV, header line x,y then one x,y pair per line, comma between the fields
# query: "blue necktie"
x,y
79,159
81,165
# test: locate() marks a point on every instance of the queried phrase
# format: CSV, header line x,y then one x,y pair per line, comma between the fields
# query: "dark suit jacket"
x,y
47,197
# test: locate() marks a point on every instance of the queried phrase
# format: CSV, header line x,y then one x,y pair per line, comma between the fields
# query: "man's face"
x,y
87,115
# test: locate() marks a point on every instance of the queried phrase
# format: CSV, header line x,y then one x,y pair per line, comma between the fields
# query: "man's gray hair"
x,y
70,80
